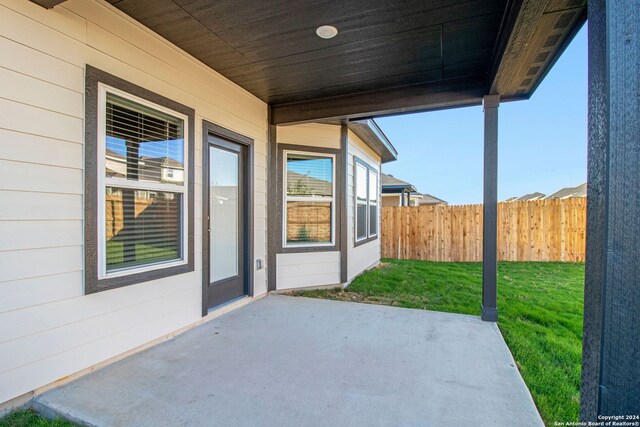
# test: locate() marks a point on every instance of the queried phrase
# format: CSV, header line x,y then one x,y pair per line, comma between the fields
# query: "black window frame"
x,y
370,238
92,282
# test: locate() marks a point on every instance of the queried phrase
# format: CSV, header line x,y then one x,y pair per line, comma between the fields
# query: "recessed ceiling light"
x,y
327,31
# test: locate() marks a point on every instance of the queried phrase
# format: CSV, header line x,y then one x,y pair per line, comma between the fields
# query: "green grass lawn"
x,y
29,418
540,315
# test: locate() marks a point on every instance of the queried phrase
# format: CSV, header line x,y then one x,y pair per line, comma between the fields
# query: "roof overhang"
x,y
396,189
369,132
388,58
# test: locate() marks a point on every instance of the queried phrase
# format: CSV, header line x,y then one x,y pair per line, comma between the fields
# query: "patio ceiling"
x,y
389,56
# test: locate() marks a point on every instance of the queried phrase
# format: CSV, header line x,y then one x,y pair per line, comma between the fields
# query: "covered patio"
x,y
311,360
286,361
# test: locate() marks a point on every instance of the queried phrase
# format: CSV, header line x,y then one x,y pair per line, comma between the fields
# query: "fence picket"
x,y
541,230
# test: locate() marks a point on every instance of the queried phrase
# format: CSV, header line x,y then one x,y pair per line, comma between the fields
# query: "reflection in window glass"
x,y
142,227
373,220
361,183
308,222
224,211
361,221
366,201
373,187
309,176
143,144
373,203
144,184
308,199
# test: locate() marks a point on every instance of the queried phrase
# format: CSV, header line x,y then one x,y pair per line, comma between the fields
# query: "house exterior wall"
x,y
366,255
297,270
391,200
48,328
310,134
304,269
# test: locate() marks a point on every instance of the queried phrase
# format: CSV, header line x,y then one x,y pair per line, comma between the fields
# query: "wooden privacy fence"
x,y
541,230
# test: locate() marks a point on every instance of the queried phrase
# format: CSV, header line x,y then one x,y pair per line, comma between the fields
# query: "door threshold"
x,y
226,304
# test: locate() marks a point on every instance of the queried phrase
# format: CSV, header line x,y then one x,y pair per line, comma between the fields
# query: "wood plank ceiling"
x,y
271,49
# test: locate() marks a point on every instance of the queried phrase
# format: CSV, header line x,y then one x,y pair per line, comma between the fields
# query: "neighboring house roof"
x,y
305,185
428,199
391,184
527,197
115,164
564,193
162,161
569,192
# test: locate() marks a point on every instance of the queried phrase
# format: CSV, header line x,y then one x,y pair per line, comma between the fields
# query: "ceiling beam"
x,y
48,4
405,99
532,37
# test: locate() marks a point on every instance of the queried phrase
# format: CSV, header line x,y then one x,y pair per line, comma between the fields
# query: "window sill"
x,y
99,285
364,241
303,249
143,269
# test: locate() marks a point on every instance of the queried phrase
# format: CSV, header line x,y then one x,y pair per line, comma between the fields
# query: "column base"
x,y
489,314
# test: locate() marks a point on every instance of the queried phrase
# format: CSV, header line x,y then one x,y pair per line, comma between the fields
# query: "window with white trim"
x,y
142,191
309,199
366,201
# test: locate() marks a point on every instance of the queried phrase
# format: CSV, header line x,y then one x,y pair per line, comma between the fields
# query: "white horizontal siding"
x,y
20,176
310,134
22,293
363,257
28,119
298,270
49,342
27,148
27,263
47,370
20,58
39,206
367,255
19,235
30,90
48,328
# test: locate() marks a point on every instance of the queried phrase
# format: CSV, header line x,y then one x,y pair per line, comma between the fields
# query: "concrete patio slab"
x,y
286,361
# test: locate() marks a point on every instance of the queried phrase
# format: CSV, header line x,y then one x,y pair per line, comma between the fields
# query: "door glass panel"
x,y
224,208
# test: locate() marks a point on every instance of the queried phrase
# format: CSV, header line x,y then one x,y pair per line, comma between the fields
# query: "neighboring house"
x,y
165,169
570,192
424,199
564,193
396,192
526,197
